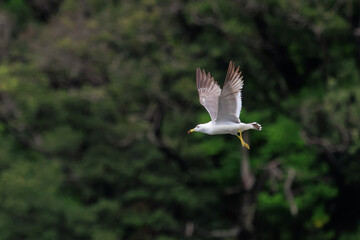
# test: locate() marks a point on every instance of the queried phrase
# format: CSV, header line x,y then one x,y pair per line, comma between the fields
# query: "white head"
x,y
200,128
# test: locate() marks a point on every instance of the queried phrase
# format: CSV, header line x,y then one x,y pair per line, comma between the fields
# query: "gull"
x,y
224,105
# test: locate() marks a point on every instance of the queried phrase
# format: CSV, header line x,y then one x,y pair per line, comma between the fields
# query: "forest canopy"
x,y
96,98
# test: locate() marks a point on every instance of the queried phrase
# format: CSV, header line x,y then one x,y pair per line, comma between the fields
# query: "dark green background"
x,y
96,98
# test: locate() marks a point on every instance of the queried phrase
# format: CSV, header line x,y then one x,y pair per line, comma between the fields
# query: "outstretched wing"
x,y
209,92
230,98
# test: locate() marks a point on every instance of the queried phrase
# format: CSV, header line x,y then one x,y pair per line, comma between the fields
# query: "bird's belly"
x,y
224,129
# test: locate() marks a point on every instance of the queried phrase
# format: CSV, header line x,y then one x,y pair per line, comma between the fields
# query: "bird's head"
x,y
198,128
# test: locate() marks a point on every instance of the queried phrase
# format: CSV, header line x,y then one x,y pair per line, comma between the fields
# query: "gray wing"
x,y
209,92
230,98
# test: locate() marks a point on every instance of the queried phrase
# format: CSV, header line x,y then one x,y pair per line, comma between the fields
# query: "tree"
x,y
96,98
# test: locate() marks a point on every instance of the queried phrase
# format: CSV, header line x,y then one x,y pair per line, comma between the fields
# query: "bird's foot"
x,y
243,143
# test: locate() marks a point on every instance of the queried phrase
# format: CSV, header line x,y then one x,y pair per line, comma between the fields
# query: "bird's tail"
x,y
256,126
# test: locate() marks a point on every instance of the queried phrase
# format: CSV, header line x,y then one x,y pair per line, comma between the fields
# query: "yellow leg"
x,y
243,143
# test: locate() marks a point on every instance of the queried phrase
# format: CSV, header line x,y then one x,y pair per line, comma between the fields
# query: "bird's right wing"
x,y
209,92
230,98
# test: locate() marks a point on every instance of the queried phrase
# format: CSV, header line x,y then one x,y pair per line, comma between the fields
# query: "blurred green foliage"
x,y
96,98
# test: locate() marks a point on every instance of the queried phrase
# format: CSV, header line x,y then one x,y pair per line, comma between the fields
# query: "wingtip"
x,y
231,63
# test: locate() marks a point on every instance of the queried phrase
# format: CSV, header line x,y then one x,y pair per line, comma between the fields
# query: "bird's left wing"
x,y
230,98
209,92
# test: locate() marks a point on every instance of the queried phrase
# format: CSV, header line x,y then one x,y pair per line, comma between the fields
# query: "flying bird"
x,y
224,105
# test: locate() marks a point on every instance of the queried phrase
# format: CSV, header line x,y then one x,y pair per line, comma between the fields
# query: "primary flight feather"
x,y
224,106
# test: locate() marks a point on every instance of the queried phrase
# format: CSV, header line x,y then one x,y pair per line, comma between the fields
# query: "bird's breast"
x,y
223,129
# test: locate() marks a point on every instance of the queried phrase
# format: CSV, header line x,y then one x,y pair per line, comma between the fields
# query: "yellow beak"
x,y
191,130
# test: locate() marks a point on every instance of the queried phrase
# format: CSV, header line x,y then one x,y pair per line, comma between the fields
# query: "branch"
x,y
247,177
288,193
189,229
232,232
5,34
326,144
155,136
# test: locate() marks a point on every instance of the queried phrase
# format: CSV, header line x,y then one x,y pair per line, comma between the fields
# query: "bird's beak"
x,y
191,130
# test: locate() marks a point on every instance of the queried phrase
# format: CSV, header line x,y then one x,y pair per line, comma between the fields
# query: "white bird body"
x,y
224,106
212,128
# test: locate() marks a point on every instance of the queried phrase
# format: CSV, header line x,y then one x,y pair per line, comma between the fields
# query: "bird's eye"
x,y
197,126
